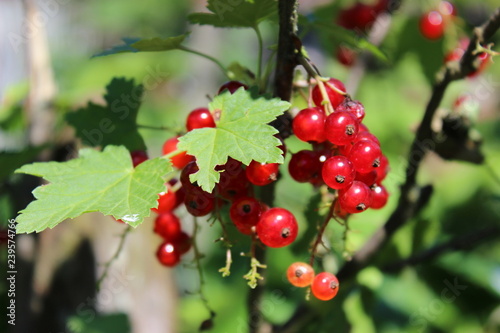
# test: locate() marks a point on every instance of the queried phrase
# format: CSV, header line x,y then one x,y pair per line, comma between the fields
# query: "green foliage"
x,y
239,14
111,323
10,161
115,123
96,181
146,45
242,133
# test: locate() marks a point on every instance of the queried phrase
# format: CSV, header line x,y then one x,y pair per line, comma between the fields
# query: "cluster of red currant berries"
x,y
433,23
324,286
274,227
345,155
359,17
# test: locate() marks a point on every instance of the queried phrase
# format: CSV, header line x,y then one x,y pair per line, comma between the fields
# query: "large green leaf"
x,y
242,133
96,181
114,123
235,13
146,45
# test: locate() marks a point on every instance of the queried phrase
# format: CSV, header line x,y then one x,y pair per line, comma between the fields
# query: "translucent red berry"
x,y
232,86
341,128
369,178
138,156
168,226
325,286
199,118
168,255
199,202
380,196
332,87
355,199
354,107
345,55
245,213
180,160
365,156
277,227
300,274
383,169
261,174
432,25
309,125
338,172
305,166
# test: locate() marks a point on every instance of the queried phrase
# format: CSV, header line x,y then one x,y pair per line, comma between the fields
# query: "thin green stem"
x,y
321,230
260,55
206,56
158,128
113,258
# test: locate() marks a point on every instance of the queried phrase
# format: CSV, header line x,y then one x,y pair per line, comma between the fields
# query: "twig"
x,y
321,230
107,265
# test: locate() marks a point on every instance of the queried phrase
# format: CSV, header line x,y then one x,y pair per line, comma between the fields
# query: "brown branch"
x,y
423,143
412,197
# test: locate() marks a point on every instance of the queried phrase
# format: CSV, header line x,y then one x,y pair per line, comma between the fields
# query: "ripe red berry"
x,y
365,156
338,172
233,182
168,255
309,125
355,199
432,25
345,55
182,243
168,226
199,202
383,169
189,169
231,86
325,286
138,156
380,196
369,178
261,174
277,227
300,274
305,166
341,128
332,87
365,135
354,107
180,160
167,200
199,118
245,213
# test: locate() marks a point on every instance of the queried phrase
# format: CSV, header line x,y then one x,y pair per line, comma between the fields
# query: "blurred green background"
x,y
466,197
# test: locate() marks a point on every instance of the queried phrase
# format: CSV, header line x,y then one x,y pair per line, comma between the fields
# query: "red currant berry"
x,y
369,178
365,156
199,118
189,169
355,199
232,86
168,255
365,135
309,125
383,169
180,160
354,107
305,166
138,157
199,202
332,87
341,128
182,243
338,172
380,196
300,274
277,227
432,25
345,55
325,286
233,182
168,226
261,174
168,200
245,213
365,16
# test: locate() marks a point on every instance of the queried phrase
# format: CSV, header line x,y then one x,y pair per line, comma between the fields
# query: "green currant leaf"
x,y
146,45
242,133
236,13
95,181
114,123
